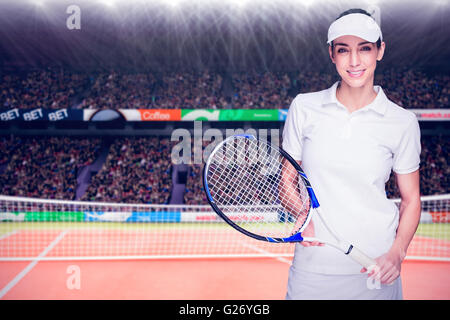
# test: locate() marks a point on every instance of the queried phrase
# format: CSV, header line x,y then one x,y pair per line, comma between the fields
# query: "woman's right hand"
x,y
309,232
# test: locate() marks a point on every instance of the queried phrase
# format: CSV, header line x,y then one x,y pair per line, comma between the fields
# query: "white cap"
x,y
355,24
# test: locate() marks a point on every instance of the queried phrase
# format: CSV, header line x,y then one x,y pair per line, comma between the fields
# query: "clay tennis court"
x,y
161,276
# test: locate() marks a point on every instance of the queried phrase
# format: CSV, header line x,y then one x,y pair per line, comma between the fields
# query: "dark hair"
x,y
350,11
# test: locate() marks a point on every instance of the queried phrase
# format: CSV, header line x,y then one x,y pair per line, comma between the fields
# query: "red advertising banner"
x,y
160,114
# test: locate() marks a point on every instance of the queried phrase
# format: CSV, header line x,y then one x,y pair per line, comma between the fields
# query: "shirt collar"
x,y
379,104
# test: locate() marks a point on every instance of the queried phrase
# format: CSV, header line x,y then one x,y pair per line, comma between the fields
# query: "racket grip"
x,y
362,258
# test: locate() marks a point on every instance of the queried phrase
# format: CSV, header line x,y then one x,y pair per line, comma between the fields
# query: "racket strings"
x,y
256,188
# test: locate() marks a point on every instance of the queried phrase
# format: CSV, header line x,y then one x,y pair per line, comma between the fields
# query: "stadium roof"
x,y
225,34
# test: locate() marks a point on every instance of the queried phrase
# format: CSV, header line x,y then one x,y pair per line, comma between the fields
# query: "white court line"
x,y
153,257
6,235
28,268
267,253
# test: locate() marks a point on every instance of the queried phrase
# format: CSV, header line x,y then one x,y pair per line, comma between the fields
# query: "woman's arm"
x,y
410,208
291,202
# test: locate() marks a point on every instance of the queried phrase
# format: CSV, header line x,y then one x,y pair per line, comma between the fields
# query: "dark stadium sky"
x,y
222,35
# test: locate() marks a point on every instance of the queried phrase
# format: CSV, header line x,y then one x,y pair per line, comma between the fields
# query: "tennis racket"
x,y
259,190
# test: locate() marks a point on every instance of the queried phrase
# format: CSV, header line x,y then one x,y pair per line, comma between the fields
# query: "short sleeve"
x,y
292,132
407,154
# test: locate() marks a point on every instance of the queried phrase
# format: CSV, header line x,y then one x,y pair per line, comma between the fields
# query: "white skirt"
x,y
304,285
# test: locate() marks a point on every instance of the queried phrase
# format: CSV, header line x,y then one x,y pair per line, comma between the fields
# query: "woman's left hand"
x,y
388,266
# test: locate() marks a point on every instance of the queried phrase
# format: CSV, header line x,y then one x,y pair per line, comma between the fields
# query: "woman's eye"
x,y
341,50
366,48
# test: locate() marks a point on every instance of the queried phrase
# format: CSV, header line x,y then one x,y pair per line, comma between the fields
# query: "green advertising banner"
x,y
230,115
55,216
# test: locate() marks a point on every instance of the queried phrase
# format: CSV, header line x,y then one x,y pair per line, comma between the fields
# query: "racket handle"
x,y
362,258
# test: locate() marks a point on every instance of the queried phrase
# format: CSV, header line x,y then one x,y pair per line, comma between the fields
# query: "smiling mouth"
x,y
356,74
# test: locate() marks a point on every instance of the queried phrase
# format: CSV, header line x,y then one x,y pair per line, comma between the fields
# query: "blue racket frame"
x,y
314,202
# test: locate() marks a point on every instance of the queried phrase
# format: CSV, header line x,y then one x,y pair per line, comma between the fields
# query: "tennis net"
x,y
41,229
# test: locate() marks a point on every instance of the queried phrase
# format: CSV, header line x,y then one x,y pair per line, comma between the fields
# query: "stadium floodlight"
x,y
442,2
109,3
239,3
175,2
39,3
307,3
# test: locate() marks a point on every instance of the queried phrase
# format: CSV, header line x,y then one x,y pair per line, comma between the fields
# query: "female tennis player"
x,y
348,138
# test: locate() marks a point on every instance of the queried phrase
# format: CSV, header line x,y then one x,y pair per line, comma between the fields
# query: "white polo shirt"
x,y
348,158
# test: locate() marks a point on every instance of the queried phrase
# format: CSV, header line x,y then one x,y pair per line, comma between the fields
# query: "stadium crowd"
x,y
189,91
48,89
44,167
138,169
114,90
194,192
434,173
56,89
415,90
261,90
434,170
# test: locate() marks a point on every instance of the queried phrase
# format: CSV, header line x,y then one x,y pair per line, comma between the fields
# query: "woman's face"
x,y
356,59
